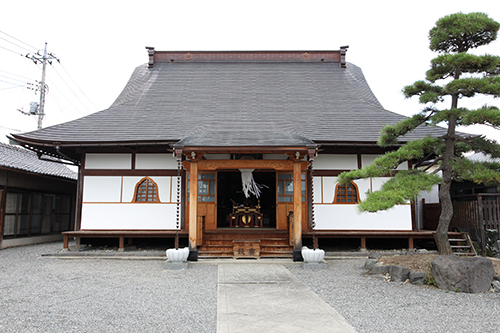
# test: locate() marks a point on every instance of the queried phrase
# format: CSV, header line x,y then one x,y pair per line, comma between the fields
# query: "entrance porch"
x,y
223,220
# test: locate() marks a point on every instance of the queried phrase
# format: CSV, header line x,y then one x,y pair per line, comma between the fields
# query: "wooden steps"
x,y
219,243
463,246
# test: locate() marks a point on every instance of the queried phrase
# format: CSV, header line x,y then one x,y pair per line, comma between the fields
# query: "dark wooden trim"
x,y
331,233
364,234
120,172
79,199
360,164
132,162
3,201
326,173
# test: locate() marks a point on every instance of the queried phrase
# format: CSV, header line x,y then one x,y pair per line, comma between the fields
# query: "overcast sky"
x,y
99,43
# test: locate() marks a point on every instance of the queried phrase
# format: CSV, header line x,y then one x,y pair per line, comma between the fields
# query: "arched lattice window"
x,y
346,193
146,190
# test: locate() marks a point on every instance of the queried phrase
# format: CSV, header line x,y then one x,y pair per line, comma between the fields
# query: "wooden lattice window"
x,y
346,193
146,190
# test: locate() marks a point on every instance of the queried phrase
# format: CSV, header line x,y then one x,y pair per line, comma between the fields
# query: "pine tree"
x,y
461,75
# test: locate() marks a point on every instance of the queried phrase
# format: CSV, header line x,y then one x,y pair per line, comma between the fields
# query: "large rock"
x,y
471,275
369,263
379,269
417,277
399,273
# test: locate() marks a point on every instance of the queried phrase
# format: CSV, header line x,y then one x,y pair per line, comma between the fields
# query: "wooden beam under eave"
x,y
278,165
297,211
193,210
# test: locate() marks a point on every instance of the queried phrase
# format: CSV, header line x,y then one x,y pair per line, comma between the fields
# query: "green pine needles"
x,y
454,74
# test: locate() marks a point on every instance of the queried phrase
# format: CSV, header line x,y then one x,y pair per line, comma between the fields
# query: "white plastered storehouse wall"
x,y
108,200
333,216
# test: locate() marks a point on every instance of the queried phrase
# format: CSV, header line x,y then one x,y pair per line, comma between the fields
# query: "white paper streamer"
x,y
249,184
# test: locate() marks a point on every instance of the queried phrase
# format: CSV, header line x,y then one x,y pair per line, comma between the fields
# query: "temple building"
x,y
237,150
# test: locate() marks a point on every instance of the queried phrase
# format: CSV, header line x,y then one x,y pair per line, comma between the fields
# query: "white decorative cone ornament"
x,y
311,255
178,255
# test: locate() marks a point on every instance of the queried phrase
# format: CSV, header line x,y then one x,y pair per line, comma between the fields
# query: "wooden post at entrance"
x,y
297,211
193,211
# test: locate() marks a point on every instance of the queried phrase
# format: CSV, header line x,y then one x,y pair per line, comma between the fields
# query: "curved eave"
x,y
68,150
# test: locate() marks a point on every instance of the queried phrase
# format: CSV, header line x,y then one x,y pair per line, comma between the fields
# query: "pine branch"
x,y
487,115
400,189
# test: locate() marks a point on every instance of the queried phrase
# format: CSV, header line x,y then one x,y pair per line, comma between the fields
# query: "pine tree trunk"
x,y
442,241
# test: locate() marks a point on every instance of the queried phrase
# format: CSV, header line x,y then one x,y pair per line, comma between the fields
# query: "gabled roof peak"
x,y
246,56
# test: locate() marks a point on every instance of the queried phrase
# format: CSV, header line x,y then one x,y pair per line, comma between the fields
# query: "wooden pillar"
x,y
482,224
193,211
363,243
79,199
297,211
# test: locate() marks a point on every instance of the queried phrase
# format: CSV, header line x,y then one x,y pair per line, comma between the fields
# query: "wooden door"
x,y
284,200
206,201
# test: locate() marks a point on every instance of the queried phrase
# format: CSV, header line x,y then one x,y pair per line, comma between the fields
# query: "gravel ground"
x,y
45,294
372,305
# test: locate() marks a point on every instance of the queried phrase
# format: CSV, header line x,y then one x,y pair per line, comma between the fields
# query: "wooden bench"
x,y
121,235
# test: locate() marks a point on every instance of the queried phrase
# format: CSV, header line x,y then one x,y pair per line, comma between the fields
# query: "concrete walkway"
x,y
268,298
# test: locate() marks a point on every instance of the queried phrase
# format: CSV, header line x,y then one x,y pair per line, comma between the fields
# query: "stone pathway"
x,y
268,298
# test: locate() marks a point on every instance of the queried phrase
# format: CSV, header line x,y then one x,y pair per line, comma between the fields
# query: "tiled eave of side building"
x,y
21,160
231,99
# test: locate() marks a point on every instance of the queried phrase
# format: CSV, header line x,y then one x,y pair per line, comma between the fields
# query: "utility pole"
x,y
36,58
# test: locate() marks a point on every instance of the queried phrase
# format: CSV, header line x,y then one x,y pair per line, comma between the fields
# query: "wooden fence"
x,y
478,212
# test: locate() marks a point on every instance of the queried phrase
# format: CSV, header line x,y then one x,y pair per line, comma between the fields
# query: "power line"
x,y
11,51
15,87
32,47
22,47
24,77
15,84
11,78
88,99
83,104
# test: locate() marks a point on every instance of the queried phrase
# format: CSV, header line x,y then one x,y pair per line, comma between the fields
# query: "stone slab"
x,y
268,298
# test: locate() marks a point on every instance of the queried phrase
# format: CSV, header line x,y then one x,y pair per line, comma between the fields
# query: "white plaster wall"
x,y
378,182
318,189
336,162
108,161
347,217
128,216
104,189
155,161
368,159
329,184
432,196
101,189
